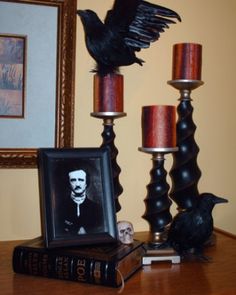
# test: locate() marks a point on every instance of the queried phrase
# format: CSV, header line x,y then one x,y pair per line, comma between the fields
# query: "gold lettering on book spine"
x,y
62,267
44,265
80,269
33,263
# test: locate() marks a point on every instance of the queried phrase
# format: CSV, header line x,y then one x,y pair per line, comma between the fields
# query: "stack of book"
x,y
108,265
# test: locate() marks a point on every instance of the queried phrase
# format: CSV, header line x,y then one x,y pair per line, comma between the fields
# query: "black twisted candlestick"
x,y
185,173
157,202
108,136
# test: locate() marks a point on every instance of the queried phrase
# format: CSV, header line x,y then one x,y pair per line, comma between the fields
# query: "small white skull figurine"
x,y
125,232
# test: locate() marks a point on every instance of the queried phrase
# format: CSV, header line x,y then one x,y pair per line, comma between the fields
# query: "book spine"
x,y
64,267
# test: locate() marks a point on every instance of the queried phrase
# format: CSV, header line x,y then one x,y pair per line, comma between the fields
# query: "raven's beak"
x,y
218,200
80,12
83,14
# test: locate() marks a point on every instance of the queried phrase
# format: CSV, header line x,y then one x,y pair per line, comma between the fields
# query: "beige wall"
x,y
209,22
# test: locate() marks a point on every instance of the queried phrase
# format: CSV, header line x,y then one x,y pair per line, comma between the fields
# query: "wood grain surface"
x,y
217,277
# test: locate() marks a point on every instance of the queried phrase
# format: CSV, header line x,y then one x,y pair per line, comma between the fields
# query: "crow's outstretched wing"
x,y
139,22
122,14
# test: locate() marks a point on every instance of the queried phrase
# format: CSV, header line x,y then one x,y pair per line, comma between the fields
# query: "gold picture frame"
x,y
62,115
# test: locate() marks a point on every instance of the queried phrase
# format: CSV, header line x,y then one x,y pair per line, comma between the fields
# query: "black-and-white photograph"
x,y
77,199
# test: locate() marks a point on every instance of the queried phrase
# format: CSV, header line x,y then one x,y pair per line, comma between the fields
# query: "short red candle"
x,y
159,126
108,93
187,61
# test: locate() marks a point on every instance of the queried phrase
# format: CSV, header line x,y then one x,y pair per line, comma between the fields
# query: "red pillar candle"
x,y
159,126
108,93
187,61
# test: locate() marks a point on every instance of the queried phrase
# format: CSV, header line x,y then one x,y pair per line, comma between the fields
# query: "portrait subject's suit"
x,y
90,218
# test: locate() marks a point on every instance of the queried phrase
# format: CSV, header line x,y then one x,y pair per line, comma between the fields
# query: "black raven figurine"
x,y
191,229
129,26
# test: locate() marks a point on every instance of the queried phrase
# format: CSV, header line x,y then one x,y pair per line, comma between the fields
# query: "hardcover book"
x,y
108,265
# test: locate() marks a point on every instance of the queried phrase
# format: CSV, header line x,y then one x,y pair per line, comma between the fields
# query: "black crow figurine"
x,y
191,229
129,26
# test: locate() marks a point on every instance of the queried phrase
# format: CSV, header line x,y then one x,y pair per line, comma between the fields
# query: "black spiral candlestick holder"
x,y
108,106
157,211
158,139
185,173
108,136
157,202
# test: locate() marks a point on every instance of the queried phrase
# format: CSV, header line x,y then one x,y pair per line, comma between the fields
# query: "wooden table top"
x,y
162,278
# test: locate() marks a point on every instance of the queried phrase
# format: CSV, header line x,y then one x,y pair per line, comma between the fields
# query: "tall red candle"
x,y
108,93
187,61
159,126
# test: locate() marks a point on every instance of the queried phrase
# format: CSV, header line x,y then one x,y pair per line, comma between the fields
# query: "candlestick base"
x,y
153,255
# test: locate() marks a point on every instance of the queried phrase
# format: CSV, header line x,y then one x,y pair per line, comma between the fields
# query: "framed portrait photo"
x,y
37,77
77,198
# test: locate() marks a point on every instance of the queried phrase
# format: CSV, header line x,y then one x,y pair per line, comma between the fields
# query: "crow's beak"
x,y
218,200
80,12
83,14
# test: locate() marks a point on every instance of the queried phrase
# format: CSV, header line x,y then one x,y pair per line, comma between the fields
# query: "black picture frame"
x,y
59,213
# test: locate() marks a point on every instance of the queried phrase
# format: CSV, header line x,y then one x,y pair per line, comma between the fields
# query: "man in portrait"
x,y
81,214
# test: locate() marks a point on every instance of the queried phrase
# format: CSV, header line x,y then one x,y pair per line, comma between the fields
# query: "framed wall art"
x,y
77,198
12,76
37,72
